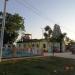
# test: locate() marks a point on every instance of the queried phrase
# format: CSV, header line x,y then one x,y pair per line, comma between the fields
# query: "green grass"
x,y
38,66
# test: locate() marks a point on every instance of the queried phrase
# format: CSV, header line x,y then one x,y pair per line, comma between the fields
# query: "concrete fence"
x,y
20,52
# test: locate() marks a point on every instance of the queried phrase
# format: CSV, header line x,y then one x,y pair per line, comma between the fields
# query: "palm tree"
x,y
45,35
48,32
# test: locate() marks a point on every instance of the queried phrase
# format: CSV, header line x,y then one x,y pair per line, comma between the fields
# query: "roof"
x,y
28,34
31,40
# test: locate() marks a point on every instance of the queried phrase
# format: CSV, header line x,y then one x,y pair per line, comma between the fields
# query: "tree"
x,y
48,32
67,40
58,36
14,23
62,36
56,32
69,43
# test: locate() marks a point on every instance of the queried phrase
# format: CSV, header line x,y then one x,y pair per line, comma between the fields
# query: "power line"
x,y
37,12
34,10
41,14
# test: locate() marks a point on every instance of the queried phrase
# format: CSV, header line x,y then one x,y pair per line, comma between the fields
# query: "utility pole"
x,y
2,29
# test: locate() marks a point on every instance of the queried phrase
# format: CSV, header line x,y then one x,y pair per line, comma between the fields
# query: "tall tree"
x,y
14,23
57,35
56,32
47,34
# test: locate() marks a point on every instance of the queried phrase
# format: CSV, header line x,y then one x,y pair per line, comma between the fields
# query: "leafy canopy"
x,y
14,23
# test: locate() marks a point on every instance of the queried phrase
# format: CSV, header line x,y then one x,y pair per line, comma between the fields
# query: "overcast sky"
x,y
39,13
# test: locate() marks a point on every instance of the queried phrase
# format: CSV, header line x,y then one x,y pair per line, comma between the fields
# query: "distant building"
x,y
41,44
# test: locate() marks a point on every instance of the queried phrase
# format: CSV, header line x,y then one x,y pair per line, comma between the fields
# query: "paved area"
x,y
65,55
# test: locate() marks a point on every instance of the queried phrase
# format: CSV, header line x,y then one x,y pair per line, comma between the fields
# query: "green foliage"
x,y
58,39
56,31
48,32
47,28
46,35
14,23
54,36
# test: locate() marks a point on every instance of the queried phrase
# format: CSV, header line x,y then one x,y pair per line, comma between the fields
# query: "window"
x,y
44,45
37,45
32,45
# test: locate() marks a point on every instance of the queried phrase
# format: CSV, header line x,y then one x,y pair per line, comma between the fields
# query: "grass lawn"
x,y
39,66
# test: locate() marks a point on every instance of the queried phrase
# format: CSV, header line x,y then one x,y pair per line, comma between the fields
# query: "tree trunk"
x,y
61,46
53,49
